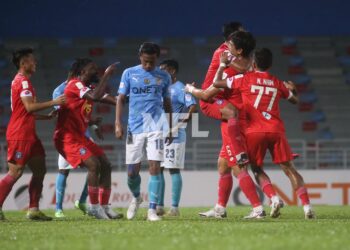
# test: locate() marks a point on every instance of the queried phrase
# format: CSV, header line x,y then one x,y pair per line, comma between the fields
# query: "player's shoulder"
x,y
60,88
74,83
161,73
21,80
178,85
134,69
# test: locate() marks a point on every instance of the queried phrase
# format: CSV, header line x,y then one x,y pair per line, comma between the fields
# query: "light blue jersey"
x,y
146,91
59,90
180,101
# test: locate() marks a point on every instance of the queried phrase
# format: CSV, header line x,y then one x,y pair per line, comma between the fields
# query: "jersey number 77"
x,y
263,91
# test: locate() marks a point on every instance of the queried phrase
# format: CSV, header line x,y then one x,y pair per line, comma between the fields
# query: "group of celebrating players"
x,y
237,90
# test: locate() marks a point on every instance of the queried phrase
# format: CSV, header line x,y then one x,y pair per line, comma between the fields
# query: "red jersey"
x,y
22,124
74,116
213,68
261,93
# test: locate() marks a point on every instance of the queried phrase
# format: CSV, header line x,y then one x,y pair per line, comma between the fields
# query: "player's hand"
x,y
224,58
169,139
119,131
291,85
99,133
53,114
60,100
111,69
189,87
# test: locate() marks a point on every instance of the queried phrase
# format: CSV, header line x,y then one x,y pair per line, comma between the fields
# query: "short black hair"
x,y
263,58
243,40
229,28
149,49
17,55
172,64
78,65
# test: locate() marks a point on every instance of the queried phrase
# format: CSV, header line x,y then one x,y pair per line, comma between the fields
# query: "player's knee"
x,y
16,172
133,170
64,172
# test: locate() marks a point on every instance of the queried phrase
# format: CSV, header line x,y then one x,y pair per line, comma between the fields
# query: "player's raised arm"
x,y
294,97
108,99
219,82
98,93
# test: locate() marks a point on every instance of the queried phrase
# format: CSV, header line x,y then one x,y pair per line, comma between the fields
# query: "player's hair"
x,y
263,58
149,49
17,55
172,64
77,67
229,28
243,40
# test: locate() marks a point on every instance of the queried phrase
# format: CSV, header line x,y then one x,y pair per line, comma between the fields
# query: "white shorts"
x,y
174,155
154,143
63,164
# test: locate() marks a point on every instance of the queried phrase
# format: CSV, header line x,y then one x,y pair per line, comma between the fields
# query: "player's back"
x,y
261,93
74,116
146,90
22,123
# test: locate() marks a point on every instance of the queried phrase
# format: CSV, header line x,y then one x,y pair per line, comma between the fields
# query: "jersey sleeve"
x,y
285,92
78,89
234,82
26,89
167,83
189,100
124,86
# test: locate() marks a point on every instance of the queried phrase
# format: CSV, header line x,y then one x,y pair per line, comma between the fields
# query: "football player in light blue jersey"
x,y
147,88
174,154
64,167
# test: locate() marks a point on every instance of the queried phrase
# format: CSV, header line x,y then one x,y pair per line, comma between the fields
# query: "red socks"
x,y
93,195
6,184
248,187
35,190
104,194
234,133
267,188
303,195
224,189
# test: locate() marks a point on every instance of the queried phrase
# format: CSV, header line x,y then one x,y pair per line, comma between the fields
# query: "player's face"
x,y
28,63
148,62
233,50
91,73
167,69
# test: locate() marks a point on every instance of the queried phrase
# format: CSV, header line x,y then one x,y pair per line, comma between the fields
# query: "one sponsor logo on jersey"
x,y
146,81
266,115
219,101
18,155
145,90
188,97
82,151
25,84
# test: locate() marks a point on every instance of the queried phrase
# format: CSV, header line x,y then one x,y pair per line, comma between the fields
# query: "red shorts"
x,y
226,149
276,143
75,152
213,109
20,152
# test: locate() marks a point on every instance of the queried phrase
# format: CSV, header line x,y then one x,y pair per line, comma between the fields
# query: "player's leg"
x,y
38,167
7,182
176,188
61,181
81,203
155,150
160,205
225,184
265,184
105,187
93,166
230,114
298,185
248,187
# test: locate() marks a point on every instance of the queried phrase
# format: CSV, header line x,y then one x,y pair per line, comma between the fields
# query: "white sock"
x,y
307,208
34,209
219,206
94,206
258,209
275,199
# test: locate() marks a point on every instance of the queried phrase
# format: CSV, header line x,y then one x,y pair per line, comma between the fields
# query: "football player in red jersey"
x,y
70,139
261,93
239,45
24,146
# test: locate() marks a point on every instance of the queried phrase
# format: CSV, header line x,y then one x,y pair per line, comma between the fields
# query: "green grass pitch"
x,y
331,230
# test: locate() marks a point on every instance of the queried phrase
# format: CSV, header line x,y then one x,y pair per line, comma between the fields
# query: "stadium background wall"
x,y
89,18
326,187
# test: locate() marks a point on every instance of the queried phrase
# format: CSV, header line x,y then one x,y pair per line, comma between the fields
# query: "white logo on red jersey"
x,y
79,85
25,84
